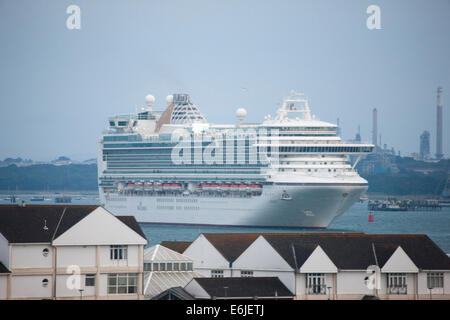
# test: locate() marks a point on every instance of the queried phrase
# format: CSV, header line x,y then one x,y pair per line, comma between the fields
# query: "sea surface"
x,y
435,224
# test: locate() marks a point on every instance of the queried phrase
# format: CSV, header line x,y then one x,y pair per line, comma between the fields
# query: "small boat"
x,y
63,199
285,196
37,198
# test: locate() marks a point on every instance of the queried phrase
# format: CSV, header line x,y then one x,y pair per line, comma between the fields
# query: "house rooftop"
x,y
249,287
177,246
43,223
3,269
347,250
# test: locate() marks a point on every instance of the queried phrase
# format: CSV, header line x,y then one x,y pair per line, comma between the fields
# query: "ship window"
x,y
112,123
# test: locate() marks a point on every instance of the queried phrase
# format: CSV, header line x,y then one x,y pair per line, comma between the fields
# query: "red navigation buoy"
x,y
370,217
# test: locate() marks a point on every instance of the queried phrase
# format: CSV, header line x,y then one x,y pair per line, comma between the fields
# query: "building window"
x,y
147,267
89,281
156,267
183,266
122,283
169,266
246,273
45,282
162,267
216,273
435,280
315,283
118,252
189,266
397,283
45,252
176,267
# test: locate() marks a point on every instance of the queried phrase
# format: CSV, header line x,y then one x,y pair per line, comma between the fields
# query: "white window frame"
x,y
118,252
90,276
122,283
246,273
435,280
397,283
216,273
315,283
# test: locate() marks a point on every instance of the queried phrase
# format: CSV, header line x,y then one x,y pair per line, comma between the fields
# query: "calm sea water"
x,y
436,224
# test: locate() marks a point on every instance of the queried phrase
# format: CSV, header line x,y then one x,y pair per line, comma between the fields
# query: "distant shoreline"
x,y
371,196
89,192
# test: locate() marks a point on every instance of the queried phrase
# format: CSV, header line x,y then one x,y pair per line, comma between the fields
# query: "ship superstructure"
x,y
174,167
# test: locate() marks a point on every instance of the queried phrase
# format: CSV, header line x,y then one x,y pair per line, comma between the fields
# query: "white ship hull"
x,y
307,206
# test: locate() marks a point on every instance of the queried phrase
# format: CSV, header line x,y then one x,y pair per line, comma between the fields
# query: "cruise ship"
x,y
170,166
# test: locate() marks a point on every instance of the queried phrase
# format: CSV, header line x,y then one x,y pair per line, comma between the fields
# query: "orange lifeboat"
x,y
243,187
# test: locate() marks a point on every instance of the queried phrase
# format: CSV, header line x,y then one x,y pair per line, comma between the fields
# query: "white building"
x,y
164,269
330,265
67,252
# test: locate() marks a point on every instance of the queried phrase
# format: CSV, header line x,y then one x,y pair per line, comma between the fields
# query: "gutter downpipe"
x,y
54,255
295,271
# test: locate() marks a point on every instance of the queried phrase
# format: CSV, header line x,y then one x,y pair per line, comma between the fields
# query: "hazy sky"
x,y
58,86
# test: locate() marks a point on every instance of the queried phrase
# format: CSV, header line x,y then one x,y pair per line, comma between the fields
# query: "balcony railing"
x,y
317,289
397,290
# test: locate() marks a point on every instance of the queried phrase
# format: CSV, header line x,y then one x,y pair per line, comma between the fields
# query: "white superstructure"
x,y
175,167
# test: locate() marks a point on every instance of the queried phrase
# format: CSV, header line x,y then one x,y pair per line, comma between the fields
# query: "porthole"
x,y
45,282
45,252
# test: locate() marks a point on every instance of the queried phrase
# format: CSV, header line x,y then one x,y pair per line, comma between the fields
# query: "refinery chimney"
x,y
439,153
374,127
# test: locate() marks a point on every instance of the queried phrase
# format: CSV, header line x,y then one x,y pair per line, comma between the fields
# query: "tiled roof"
x,y
356,250
231,245
246,287
176,293
131,222
178,246
347,250
27,224
3,269
39,223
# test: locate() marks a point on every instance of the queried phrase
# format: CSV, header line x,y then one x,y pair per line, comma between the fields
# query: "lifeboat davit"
x,y
243,187
157,186
167,186
234,187
176,186
139,186
206,187
257,188
148,186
